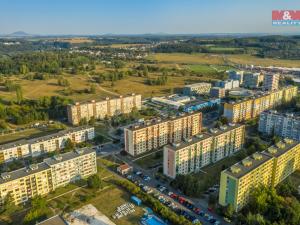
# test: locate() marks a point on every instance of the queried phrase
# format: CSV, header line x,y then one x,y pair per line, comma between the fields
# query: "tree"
x,y
228,211
37,212
255,219
69,145
19,94
8,205
94,182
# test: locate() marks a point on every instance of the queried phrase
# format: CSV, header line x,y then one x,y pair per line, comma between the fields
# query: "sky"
x,y
96,17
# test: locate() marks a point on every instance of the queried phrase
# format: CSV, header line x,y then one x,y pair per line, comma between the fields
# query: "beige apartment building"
x,y
202,149
242,110
49,143
157,133
105,108
42,178
267,168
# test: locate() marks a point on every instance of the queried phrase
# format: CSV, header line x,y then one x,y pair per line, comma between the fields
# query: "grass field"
x,y
38,88
249,60
182,58
214,59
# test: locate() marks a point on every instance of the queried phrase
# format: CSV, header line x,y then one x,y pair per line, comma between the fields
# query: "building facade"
x,y
197,89
157,133
49,143
242,110
236,75
217,92
285,125
203,149
267,168
228,84
253,80
271,82
42,178
101,109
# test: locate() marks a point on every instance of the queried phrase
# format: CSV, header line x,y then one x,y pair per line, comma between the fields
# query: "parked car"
x,y
227,220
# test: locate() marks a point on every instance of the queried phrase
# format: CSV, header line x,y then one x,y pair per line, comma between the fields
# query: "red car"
x,y
209,209
197,210
174,196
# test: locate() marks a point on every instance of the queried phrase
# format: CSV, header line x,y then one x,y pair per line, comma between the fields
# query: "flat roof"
x,y
197,84
248,164
159,120
258,95
68,156
104,98
58,134
281,147
43,138
23,172
202,136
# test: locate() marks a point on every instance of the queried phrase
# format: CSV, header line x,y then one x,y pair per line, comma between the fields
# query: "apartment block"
x,y
267,168
49,143
236,75
253,80
285,125
228,84
202,149
157,133
197,89
241,110
217,92
101,109
271,82
42,178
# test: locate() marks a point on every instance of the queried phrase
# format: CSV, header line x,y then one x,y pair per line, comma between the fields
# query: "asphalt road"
x,y
200,203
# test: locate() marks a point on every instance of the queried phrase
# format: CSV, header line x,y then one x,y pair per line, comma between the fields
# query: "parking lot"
x,y
176,202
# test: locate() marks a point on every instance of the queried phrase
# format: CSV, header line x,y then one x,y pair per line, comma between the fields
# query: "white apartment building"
x,y
271,82
105,108
228,84
197,89
157,133
69,167
42,178
49,143
281,124
202,149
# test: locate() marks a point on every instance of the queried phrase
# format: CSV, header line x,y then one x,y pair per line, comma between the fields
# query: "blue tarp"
x,y
136,200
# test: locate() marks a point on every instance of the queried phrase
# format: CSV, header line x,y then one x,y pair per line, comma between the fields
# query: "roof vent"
x,y
79,151
199,135
247,162
176,144
57,157
33,167
257,156
5,176
235,169
272,150
213,131
280,144
223,127
288,141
